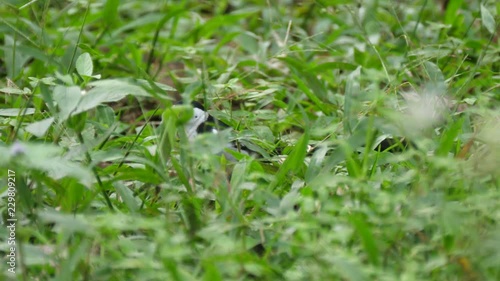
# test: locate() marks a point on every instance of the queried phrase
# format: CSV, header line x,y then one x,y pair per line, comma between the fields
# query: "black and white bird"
x,y
202,122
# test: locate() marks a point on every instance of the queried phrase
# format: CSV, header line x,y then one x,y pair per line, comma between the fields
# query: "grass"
x,y
106,186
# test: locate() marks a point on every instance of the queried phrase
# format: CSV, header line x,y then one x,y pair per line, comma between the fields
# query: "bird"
x,y
202,122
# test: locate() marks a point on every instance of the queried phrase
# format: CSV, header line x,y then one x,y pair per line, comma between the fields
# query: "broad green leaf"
x,y
353,164
451,11
110,11
127,196
14,112
488,20
13,60
211,272
48,158
13,91
104,91
118,88
182,113
67,99
238,174
434,73
168,131
367,237
295,161
316,163
105,115
84,65
249,42
448,138
39,128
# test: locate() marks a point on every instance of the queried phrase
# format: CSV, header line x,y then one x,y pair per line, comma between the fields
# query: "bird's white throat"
x,y
199,117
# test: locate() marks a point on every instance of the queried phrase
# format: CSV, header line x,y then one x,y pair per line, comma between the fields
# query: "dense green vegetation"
x,y
377,123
